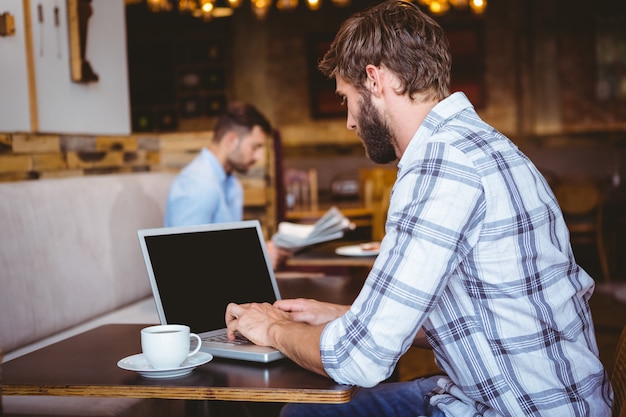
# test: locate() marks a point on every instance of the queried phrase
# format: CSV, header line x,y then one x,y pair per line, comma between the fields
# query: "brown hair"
x,y
399,36
241,117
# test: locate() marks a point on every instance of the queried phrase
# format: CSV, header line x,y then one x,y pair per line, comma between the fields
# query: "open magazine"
x,y
295,236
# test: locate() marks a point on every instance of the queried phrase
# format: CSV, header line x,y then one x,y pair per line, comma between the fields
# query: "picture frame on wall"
x,y
79,13
324,100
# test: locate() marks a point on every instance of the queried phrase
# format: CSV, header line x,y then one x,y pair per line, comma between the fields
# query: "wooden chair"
x,y
618,376
302,189
376,184
581,202
259,189
277,167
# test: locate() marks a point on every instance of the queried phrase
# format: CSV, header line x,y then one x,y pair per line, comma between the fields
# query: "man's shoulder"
x,y
195,176
199,167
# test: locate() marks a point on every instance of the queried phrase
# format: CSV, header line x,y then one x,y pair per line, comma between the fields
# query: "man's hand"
x,y
253,320
267,325
277,255
311,311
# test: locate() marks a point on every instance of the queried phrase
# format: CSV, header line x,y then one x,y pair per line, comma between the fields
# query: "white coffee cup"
x,y
167,346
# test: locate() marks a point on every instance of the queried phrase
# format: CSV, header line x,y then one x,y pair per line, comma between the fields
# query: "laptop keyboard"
x,y
222,338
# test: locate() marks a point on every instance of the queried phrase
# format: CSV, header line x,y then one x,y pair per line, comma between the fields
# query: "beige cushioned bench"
x,y
70,261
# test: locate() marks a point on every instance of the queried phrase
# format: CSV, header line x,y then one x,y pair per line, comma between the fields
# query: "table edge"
x,y
342,395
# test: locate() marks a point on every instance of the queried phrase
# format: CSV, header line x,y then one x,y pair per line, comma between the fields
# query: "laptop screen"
x,y
199,270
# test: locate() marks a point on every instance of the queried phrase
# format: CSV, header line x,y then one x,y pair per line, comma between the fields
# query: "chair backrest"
x,y
277,165
577,197
376,184
618,376
302,189
582,204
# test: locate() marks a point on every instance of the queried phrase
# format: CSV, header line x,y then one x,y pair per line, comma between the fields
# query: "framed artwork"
x,y
78,14
324,101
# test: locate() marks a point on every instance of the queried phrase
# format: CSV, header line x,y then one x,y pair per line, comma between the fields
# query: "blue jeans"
x,y
391,399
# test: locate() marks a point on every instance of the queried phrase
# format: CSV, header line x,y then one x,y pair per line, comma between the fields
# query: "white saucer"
x,y
355,250
139,364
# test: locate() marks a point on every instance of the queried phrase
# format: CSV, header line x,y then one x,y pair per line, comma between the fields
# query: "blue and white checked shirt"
x,y
202,193
477,253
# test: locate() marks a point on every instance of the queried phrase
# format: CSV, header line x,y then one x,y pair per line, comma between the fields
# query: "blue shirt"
x,y
477,253
202,193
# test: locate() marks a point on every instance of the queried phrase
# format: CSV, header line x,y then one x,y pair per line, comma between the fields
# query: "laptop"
x,y
195,271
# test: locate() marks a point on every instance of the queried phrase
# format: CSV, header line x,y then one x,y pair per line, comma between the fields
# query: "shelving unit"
x,y
178,71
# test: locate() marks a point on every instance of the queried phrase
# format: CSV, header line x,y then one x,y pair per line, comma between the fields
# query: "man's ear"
x,y
373,81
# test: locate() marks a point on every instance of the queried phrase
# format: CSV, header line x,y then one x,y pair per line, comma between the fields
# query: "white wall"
x,y
14,112
64,106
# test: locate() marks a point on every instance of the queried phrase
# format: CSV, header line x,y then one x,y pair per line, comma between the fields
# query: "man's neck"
x,y
221,155
406,117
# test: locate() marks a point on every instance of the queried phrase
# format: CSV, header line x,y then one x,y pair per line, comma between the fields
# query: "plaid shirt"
x,y
477,253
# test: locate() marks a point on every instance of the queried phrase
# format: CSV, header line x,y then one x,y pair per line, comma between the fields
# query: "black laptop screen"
x,y
198,273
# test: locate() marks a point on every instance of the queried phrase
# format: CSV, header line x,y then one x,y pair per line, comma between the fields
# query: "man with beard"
x,y
206,190
475,263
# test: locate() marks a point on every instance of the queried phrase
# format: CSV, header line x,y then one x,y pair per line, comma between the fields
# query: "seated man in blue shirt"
x,y
206,190
476,260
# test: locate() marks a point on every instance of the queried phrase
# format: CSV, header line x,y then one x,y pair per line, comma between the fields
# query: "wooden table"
x,y
338,289
86,365
324,255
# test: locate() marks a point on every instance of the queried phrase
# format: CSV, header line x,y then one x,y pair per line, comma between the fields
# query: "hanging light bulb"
x,y
260,8
159,5
439,7
206,6
459,4
200,8
187,6
208,9
286,5
222,8
478,6
314,4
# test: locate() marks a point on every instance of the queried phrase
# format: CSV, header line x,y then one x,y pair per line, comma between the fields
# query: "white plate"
x,y
355,250
140,364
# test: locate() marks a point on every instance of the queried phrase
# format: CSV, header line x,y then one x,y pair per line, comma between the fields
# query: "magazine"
x,y
295,236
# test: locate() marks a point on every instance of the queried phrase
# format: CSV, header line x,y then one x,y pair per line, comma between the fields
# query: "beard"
x,y
237,163
239,167
375,133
